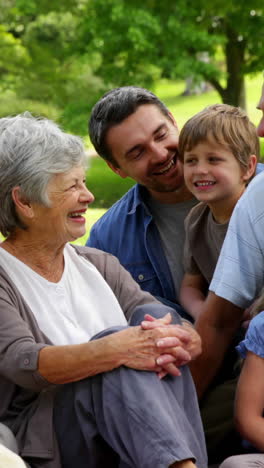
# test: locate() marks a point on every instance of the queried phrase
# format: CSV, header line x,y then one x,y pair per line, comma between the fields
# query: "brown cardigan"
x,y
26,398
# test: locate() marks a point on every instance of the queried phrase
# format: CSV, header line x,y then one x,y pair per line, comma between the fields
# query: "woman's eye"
x,y
72,187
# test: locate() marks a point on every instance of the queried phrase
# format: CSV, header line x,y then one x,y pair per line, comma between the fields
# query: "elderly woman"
x,y
69,400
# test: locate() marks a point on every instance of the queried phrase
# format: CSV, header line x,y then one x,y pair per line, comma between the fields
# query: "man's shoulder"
x,y
120,208
123,208
259,168
251,202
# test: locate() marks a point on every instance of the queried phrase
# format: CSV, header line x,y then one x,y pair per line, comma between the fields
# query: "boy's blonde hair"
x,y
226,125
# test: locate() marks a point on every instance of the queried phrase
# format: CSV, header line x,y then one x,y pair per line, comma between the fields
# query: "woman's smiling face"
x,y
69,198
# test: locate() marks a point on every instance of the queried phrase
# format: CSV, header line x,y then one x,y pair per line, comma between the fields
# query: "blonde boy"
x,y
219,149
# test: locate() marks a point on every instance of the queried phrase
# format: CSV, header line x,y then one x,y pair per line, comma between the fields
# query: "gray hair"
x,y
32,151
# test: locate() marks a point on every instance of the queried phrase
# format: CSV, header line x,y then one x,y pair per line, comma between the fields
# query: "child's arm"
x,y
249,403
193,293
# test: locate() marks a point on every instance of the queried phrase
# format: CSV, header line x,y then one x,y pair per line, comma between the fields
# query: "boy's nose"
x,y
202,168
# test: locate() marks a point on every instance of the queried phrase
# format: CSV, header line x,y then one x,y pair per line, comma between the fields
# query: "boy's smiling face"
x,y
214,175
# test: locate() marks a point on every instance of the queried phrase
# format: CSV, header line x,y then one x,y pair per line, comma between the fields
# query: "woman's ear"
x,y
251,168
23,206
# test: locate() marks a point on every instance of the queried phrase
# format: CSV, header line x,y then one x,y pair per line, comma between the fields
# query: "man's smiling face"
x,y
144,147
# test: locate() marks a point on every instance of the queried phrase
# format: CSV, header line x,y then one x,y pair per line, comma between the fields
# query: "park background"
x,y
57,58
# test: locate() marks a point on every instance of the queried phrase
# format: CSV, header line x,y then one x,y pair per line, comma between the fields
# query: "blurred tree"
x,y
140,41
13,56
68,52
55,72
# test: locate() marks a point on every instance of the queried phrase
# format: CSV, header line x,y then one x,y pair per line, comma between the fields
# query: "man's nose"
x,y
159,152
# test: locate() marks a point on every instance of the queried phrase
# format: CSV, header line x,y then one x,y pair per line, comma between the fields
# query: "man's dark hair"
x,y
114,107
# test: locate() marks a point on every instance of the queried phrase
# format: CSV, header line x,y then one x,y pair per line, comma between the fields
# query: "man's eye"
x,y
161,135
137,154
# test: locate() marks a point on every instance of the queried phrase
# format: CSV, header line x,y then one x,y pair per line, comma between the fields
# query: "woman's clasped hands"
x,y
159,346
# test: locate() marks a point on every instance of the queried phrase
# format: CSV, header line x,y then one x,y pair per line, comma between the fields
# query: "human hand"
x,y
150,349
246,317
194,347
191,342
177,356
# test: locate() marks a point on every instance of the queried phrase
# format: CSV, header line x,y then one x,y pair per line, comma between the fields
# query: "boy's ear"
x,y
116,170
250,171
23,206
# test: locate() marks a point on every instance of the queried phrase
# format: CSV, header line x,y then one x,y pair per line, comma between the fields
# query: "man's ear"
x,y
23,206
116,170
173,120
251,168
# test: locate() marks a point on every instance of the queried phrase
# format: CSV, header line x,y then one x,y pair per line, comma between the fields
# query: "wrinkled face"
x,y
64,220
260,106
213,174
144,147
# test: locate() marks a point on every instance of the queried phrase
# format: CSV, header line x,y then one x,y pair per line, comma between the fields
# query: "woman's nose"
x,y
86,195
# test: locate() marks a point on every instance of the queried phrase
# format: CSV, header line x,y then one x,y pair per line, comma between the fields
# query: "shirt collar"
x,y
139,196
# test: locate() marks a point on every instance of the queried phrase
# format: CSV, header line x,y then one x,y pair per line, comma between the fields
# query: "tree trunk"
x,y
234,93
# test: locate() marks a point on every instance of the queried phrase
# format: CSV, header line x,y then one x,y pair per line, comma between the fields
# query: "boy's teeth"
x,y
203,184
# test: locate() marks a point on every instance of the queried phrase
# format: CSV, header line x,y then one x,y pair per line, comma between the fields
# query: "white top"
x,y
71,311
9,459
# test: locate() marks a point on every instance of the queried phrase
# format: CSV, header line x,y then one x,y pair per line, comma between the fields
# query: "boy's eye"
x,y
189,161
214,158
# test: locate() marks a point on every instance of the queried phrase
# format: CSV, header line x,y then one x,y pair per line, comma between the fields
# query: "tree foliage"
x,y
216,41
68,52
51,67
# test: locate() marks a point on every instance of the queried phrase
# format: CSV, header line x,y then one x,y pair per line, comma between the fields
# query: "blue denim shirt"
x,y
127,230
